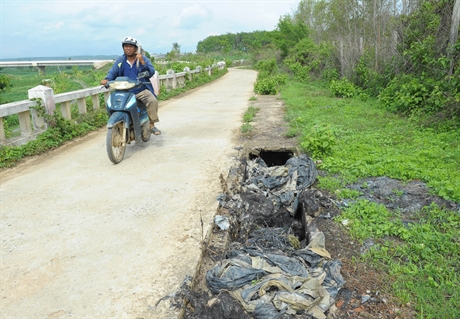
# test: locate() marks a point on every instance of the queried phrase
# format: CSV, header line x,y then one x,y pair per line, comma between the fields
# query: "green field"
x,y
23,79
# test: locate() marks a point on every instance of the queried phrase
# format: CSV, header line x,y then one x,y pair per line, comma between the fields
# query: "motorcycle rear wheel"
x,y
115,146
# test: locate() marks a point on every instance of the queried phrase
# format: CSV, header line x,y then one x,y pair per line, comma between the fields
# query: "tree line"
x,y
406,52
244,41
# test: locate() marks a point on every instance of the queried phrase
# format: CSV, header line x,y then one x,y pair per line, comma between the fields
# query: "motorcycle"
x,y
128,118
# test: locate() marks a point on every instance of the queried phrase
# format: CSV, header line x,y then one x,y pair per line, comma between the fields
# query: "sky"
x,y
65,28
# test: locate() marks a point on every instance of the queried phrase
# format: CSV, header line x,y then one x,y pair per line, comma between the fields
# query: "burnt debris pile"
x,y
276,264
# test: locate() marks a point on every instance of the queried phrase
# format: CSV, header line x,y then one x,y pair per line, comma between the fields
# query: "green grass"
x,y
249,114
246,128
353,139
248,117
360,139
24,78
425,261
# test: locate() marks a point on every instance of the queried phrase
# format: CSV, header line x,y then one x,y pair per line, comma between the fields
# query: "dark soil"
x,y
366,293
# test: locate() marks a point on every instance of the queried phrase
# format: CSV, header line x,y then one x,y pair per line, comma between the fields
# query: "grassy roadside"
x,y
248,117
353,139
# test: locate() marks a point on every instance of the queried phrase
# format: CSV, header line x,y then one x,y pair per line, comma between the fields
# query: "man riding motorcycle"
x,y
131,64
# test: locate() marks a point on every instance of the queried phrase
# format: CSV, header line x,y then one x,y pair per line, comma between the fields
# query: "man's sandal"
x,y
155,131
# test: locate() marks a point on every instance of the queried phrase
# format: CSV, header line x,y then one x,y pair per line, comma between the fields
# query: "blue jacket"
x,y
122,68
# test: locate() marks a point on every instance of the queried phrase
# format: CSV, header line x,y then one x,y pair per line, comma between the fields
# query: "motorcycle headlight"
x,y
121,85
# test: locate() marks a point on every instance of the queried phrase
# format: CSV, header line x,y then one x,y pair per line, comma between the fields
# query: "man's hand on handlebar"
x,y
105,83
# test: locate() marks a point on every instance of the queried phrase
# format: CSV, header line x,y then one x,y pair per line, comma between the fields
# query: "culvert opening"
x,y
273,158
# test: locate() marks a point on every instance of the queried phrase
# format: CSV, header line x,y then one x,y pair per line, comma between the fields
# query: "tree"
x,y
176,48
244,42
151,58
288,33
174,53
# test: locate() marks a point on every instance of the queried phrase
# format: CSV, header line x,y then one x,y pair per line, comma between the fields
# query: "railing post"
x,y
46,94
81,105
65,110
171,81
180,80
24,123
2,132
187,69
96,103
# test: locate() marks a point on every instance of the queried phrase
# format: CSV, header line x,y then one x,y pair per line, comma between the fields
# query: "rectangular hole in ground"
x,y
273,158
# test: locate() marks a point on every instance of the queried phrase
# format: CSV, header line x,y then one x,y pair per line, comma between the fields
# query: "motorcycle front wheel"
x,y
114,142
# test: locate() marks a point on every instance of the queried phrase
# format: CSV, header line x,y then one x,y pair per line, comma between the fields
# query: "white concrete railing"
x,y
31,124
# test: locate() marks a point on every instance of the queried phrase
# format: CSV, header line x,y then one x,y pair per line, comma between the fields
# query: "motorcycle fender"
x,y
118,117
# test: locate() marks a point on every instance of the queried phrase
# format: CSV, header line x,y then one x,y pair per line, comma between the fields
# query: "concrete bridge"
x,y
32,125
41,65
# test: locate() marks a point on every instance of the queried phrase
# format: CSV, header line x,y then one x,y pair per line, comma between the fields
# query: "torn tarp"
x,y
285,283
298,173
269,193
268,270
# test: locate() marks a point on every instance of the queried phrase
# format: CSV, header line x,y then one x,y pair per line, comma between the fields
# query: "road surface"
x,y
84,238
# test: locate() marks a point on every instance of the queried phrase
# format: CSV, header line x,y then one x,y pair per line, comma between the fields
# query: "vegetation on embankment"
x,y
60,130
354,139
357,139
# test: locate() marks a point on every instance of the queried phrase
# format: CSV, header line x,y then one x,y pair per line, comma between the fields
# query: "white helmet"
x,y
129,40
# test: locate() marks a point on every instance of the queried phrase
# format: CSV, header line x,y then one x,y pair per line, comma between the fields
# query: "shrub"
x,y
269,85
319,141
409,94
330,74
266,67
302,72
366,78
342,88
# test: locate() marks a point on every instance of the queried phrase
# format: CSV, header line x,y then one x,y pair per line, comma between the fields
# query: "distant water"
x,y
77,57
60,58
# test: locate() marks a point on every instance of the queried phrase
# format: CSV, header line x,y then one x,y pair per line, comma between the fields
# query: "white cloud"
x,y
54,26
190,17
71,27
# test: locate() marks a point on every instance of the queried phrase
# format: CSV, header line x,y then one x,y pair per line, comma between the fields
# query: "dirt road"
x,y
81,237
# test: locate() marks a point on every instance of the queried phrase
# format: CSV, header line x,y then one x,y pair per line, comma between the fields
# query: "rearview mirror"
x,y
142,75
